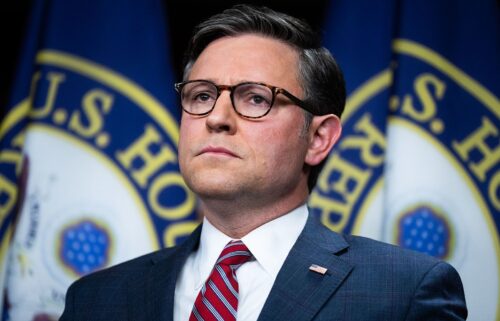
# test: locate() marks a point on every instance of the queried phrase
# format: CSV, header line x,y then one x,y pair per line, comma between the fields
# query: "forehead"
x,y
248,57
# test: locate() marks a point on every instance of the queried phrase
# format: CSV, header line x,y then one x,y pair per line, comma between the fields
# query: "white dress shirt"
x,y
269,244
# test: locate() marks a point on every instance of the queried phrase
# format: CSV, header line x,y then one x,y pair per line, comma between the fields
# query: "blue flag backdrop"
x,y
88,167
419,161
89,150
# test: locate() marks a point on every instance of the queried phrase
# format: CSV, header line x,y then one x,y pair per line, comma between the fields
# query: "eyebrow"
x,y
232,83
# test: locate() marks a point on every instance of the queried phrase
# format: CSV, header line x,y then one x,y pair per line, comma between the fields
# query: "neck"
x,y
237,220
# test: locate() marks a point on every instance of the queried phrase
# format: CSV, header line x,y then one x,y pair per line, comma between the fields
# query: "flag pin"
x,y
318,269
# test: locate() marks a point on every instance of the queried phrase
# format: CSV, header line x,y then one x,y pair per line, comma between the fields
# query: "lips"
x,y
217,151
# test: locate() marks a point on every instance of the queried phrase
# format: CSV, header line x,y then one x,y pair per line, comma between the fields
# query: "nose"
x,y
222,118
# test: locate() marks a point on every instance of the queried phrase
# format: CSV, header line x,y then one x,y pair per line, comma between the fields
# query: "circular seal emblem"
x,y
102,179
418,166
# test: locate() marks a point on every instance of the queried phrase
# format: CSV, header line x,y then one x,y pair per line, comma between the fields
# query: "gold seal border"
x,y
110,78
383,80
432,58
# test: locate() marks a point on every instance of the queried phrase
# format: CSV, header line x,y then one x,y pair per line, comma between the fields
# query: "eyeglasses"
x,y
249,99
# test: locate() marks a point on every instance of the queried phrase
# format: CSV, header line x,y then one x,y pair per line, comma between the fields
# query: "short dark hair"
x,y
319,75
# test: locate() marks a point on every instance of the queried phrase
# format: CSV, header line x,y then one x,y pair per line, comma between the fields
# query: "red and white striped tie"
x,y
218,299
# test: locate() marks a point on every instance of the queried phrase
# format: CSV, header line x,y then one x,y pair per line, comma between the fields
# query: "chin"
x,y
217,193
213,186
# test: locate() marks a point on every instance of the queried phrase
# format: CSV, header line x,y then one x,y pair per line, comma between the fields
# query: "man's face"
x,y
224,156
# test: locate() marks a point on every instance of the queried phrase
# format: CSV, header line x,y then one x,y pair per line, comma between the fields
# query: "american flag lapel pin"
x,y
318,269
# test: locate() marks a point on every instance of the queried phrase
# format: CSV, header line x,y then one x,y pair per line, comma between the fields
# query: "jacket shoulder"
x,y
372,248
104,293
419,279
123,272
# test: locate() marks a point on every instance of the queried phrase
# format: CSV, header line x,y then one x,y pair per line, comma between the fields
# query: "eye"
x,y
203,97
200,93
254,95
258,100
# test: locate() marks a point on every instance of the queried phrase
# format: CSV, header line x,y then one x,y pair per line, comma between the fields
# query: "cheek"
x,y
188,130
280,150
184,126
185,140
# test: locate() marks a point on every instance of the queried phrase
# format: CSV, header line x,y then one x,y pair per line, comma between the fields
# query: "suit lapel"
x,y
299,293
156,297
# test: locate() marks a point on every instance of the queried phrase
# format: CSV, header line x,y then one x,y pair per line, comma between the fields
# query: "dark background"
x,y
182,17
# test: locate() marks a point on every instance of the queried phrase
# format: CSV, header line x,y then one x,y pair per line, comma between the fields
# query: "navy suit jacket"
x,y
365,280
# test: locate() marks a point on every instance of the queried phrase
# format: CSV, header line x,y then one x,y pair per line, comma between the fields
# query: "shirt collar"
x,y
271,242
280,234
212,242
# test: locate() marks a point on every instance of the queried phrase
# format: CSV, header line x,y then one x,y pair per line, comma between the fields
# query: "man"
x,y
261,105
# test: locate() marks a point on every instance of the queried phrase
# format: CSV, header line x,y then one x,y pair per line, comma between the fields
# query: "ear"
x,y
324,131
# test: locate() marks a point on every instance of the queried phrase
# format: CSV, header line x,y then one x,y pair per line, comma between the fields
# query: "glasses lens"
x,y
252,100
198,97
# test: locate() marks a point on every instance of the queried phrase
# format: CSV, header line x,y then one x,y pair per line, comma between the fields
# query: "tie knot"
x,y
234,254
